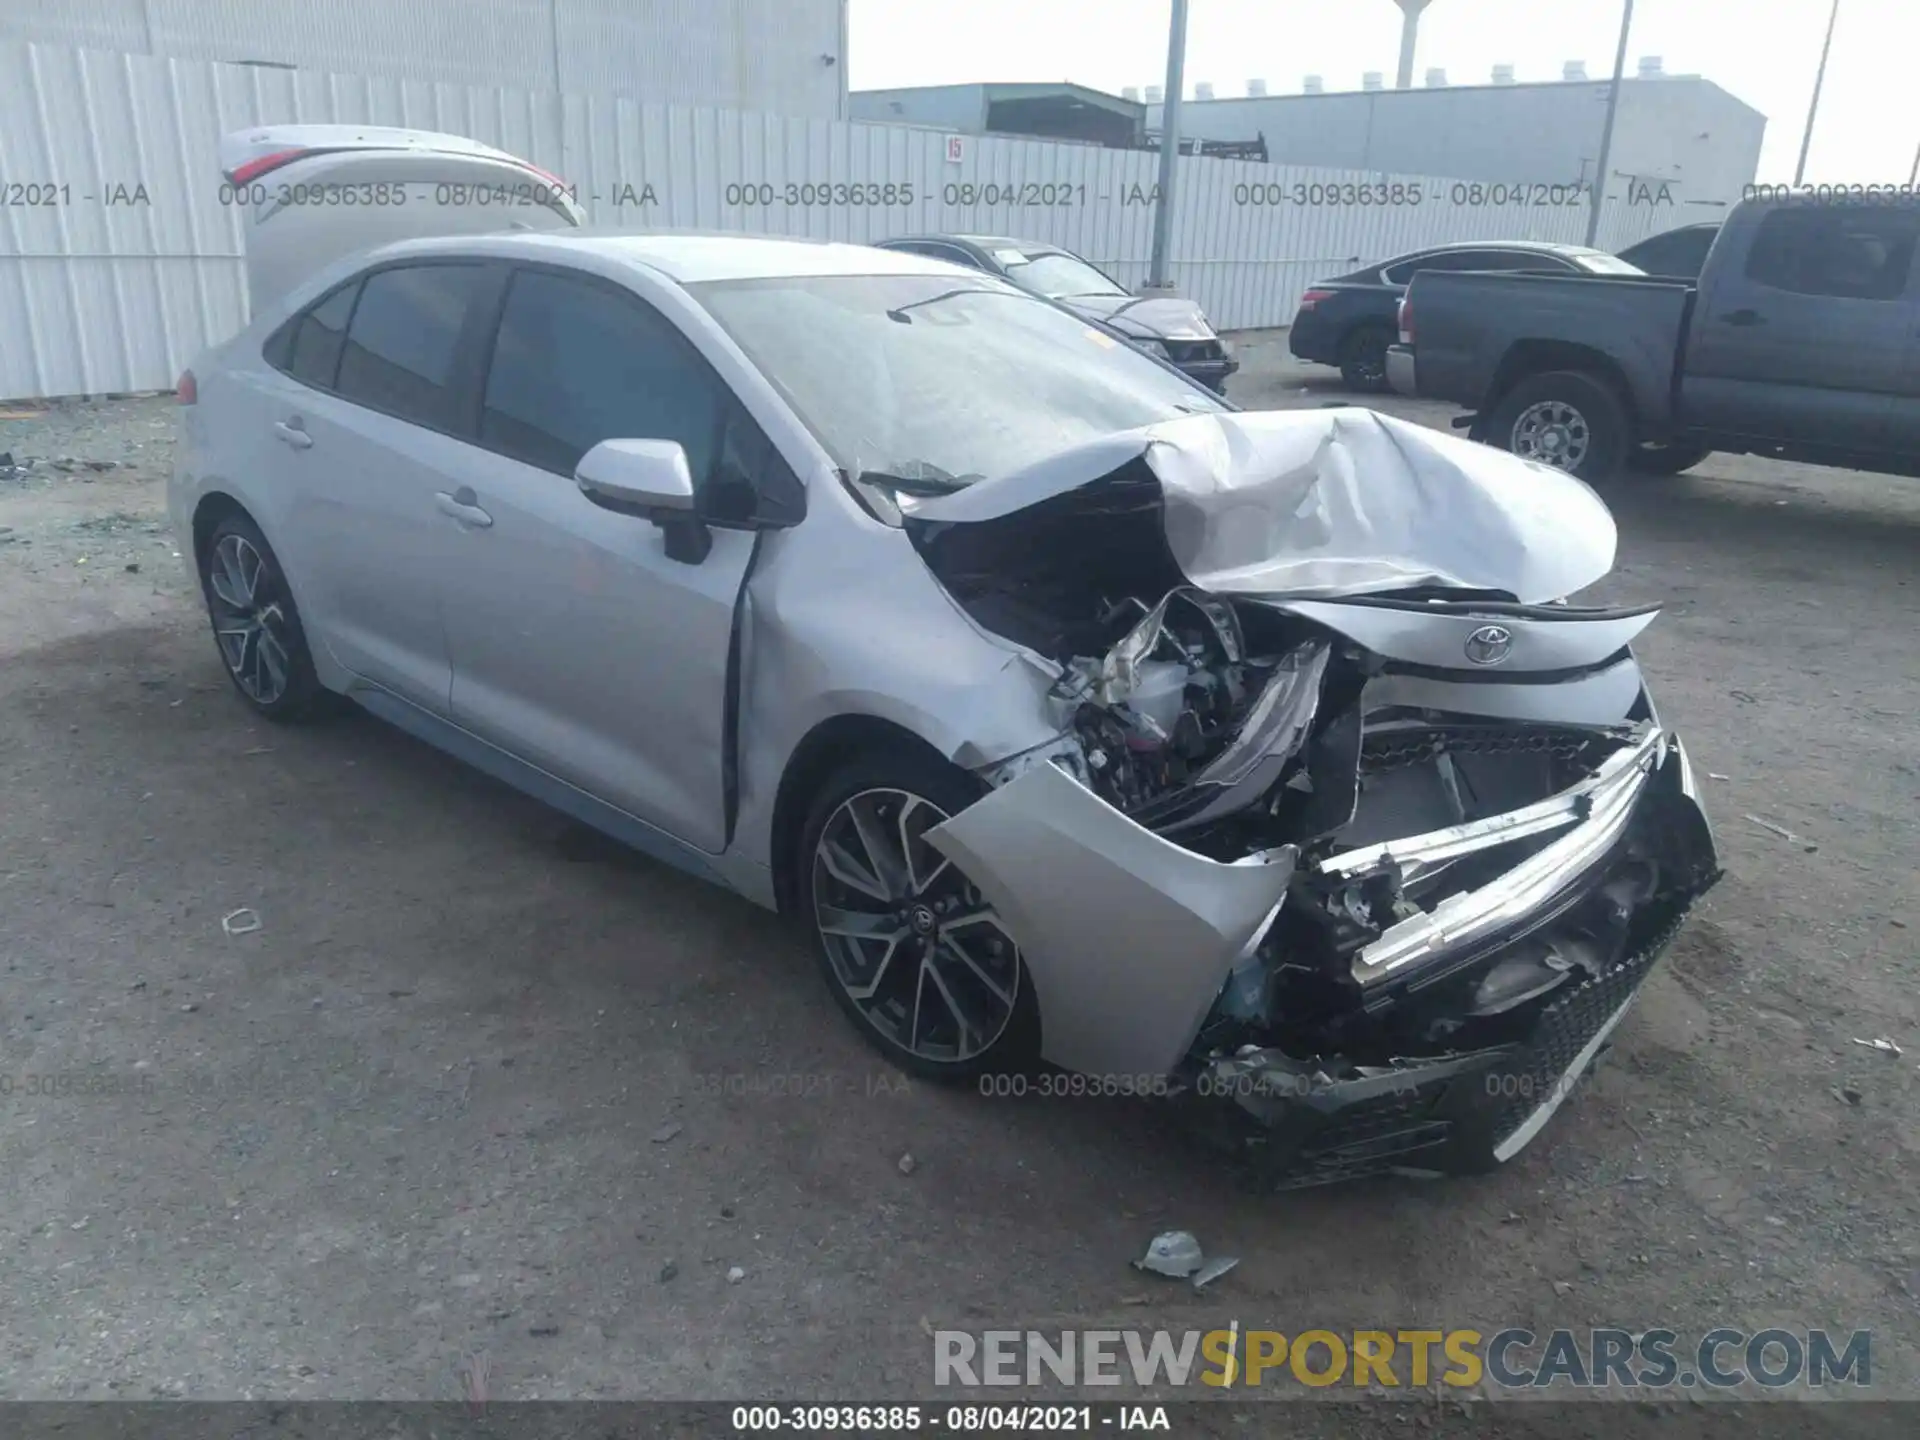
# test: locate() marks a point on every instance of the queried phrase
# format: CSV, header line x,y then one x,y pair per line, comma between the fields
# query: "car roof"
x,y
688,257
1543,247
987,242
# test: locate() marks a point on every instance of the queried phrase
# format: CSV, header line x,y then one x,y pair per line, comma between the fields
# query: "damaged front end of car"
x,y
1354,830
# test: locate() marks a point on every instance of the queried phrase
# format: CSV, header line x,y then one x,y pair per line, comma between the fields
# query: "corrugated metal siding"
x,y
98,294
740,54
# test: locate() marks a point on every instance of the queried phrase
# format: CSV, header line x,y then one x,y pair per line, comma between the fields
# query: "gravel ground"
x,y
482,1094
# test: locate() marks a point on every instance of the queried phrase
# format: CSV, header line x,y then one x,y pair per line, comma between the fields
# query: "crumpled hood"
x,y
1331,503
1163,317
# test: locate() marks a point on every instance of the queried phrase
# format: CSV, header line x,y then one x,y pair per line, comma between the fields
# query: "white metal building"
x,y
1682,130
787,57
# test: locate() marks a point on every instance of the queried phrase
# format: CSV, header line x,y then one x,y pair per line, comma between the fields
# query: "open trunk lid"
x,y
315,193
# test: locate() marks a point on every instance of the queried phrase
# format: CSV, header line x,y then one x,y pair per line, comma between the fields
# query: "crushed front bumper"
x,y
1454,1114
1128,940
1308,1121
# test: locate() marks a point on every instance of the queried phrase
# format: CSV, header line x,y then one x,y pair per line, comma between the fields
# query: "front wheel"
x,y
910,949
1567,419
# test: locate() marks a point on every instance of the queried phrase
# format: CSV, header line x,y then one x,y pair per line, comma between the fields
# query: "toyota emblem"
x,y
1489,645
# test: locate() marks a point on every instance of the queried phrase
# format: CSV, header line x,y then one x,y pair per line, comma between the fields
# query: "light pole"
x,y
1606,134
1913,175
1169,145
1819,78
1409,33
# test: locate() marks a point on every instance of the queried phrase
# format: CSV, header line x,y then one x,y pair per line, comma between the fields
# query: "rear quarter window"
x,y
308,346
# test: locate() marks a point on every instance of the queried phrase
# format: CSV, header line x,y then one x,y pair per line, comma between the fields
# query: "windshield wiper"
x,y
899,312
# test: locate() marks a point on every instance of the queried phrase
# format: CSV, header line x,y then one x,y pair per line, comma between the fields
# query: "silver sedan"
x,y
1253,759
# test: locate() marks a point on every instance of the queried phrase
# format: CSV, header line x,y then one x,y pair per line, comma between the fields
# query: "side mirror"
x,y
648,479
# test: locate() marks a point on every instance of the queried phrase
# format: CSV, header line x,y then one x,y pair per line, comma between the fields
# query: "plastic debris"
x,y
666,1132
1177,1255
240,922
1883,1045
1213,1270
1780,830
736,1275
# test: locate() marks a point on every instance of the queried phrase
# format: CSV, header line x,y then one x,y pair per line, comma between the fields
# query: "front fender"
x,y
1127,938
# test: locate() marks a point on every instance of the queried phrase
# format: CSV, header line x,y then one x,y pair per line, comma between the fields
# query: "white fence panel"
x,y
119,262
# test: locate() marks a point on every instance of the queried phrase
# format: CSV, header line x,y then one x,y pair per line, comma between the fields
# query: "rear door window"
x,y
577,362
403,346
1850,252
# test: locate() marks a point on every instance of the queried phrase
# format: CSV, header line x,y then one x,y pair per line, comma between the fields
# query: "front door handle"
x,y
293,433
463,505
1744,317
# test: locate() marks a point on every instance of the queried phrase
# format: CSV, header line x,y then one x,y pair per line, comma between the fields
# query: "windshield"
x,y
1055,275
938,379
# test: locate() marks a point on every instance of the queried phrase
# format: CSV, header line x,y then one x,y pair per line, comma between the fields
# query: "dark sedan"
x,y
1175,330
1349,321
1674,254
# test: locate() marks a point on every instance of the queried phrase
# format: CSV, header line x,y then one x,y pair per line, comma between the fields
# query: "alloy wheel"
x,y
910,940
1553,433
249,619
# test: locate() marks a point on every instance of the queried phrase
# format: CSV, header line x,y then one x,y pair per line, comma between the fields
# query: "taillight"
x,y
1405,322
187,391
1314,297
259,166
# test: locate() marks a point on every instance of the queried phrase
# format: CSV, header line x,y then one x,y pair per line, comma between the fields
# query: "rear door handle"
x,y
1744,317
463,505
293,433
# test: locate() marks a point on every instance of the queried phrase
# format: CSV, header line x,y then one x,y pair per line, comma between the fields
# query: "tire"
x,y
1568,419
1363,358
988,1021
1655,459
256,628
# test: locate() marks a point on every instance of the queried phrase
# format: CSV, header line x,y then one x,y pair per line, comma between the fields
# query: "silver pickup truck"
x,y
1800,340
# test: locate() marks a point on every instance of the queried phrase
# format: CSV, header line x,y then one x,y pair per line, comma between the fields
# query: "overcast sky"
x,y
1764,51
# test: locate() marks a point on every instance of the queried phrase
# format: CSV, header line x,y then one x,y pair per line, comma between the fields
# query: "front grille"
x,y
1397,749
1563,1031
1370,1137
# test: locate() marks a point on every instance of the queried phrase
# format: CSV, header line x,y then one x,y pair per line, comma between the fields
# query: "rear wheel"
x,y
911,950
255,623
1657,459
1568,419
1363,358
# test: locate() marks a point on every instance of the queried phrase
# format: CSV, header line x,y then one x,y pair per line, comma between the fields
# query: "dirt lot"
x,y
478,1091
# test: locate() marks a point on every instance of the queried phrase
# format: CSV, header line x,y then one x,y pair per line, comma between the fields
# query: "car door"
x,y
577,643
362,413
1804,337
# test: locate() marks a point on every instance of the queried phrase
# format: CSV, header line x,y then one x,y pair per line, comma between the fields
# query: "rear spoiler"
x,y
250,155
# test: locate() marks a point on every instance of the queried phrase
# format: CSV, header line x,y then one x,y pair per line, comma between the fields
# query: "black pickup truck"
x,y
1800,340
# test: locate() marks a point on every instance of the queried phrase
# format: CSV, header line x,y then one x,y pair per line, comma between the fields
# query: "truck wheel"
x,y
1656,459
1363,358
1569,420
